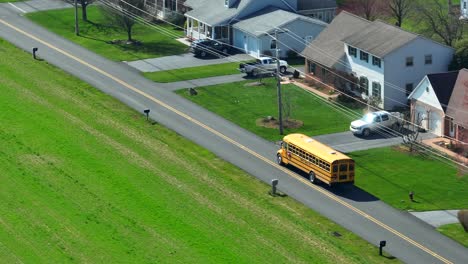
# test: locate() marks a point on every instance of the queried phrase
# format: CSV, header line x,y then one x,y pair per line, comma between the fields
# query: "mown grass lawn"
x,y
244,105
86,179
390,175
96,35
193,72
455,232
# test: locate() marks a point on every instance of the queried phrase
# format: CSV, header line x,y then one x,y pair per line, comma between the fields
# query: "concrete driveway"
x,y
347,142
182,61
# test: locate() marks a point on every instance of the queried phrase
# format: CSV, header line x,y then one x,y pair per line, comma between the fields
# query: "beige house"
x,y
439,104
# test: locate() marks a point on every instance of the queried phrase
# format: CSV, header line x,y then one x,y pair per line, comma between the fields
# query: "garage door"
x,y
435,123
252,46
420,114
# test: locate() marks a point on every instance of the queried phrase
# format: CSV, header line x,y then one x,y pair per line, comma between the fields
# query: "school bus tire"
x,y
279,159
312,177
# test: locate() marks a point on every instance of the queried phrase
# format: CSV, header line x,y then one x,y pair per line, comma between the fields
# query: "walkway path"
x,y
438,218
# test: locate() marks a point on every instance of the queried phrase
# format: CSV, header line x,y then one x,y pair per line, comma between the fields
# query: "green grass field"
x,y
390,175
86,179
96,34
193,72
243,105
455,232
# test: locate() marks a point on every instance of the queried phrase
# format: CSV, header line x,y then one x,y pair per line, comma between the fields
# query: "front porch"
x,y
198,30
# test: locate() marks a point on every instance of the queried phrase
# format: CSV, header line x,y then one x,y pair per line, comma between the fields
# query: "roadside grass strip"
x,y
244,104
390,175
86,179
96,34
455,232
192,73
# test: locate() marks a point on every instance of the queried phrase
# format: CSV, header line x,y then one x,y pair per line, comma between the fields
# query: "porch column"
x,y
213,36
164,8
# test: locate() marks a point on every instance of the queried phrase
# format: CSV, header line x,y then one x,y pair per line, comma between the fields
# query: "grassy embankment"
x,y
386,173
96,33
86,179
244,105
193,72
455,232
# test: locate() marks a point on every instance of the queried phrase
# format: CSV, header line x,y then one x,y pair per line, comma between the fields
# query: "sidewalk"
x,y
438,218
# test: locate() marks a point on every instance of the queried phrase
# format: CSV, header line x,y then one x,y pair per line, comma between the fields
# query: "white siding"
x,y
425,93
397,74
362,68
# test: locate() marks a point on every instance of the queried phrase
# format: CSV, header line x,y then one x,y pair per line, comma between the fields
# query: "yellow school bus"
x,y
321,162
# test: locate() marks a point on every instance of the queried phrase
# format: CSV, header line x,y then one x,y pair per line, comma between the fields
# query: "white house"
x,y
440,104
464,9
382,63
249,24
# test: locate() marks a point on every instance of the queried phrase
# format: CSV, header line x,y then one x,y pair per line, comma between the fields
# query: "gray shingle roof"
x,y
380,38
213,12
327,49
315,4
458,103
268,19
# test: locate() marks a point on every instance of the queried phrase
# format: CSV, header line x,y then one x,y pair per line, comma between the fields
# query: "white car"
x,y
371,122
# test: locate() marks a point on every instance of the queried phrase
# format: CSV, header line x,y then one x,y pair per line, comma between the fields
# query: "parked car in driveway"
x,y
263,65
208,47
372,122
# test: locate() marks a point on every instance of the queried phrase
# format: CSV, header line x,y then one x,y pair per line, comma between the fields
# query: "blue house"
x,y
250,25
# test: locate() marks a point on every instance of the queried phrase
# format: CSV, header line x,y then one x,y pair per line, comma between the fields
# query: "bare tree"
x,y
411,139
124,14
441,20
400,9
367,8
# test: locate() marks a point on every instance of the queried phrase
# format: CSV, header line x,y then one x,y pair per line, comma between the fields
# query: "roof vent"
x,y
333,152
308,140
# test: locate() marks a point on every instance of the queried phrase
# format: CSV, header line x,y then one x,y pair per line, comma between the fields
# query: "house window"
x,y
376,61
409,61
409,88
376,89
312,67
226,3
352,51
364,85
273,44
428,59
364,56
324,71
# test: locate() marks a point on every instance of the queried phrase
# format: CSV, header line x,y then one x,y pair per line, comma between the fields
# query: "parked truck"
x,y
263,65
372,122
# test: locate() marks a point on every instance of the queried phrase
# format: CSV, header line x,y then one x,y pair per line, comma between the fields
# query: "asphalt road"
x,y
408,238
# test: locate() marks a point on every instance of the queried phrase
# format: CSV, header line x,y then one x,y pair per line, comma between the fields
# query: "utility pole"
x,y
278,79
77,30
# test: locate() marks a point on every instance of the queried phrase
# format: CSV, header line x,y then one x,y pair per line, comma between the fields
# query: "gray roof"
x,y
380,38
213,12
327,49
315,4
270,18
